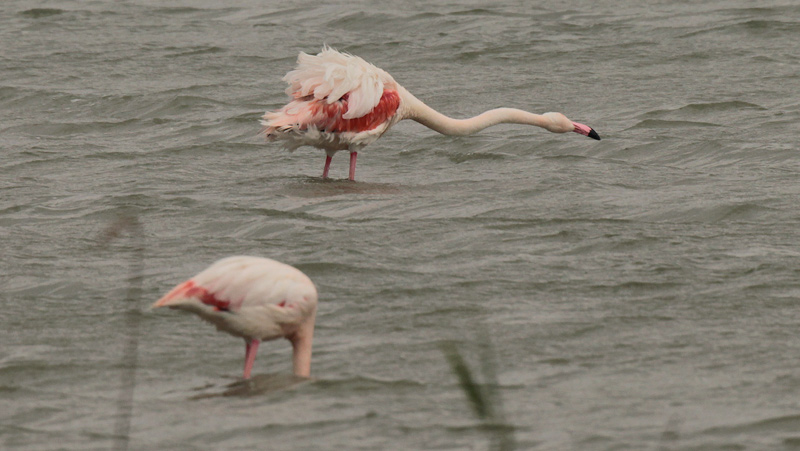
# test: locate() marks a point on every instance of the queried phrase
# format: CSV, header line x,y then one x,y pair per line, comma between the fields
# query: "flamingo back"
x,y
330,75
250,297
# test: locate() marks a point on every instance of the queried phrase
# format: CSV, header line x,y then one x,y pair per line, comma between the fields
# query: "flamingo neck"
x,y
301,346
427,116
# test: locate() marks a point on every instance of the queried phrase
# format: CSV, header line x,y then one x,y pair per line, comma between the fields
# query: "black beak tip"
x,y
593,134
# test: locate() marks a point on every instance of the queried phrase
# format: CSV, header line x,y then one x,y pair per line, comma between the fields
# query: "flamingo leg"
x,y
353,156
327,166
251,347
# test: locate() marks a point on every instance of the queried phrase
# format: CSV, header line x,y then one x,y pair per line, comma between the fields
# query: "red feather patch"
x,y
206,297
335,123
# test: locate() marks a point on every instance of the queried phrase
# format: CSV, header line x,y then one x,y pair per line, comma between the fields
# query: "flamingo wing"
x,y
330,75
334,93
247,296
307,113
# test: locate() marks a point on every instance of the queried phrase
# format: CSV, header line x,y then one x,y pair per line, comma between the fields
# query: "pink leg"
x,y
327,166
353,156
251,347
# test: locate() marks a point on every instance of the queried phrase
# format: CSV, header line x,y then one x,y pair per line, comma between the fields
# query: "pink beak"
x,y
586,131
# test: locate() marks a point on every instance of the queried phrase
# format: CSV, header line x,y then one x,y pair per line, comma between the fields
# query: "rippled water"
x,y
634,293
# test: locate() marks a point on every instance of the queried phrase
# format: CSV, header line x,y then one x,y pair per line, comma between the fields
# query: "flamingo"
x,y
341,102
256,299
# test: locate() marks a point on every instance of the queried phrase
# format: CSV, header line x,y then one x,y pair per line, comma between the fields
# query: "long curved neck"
x,y
427,116
301,345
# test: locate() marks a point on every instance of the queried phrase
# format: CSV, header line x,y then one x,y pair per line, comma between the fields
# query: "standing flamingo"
x,y
256,299
341,102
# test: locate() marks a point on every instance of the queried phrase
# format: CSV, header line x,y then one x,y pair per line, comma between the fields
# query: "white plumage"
x,y
330,75
335,104
253,298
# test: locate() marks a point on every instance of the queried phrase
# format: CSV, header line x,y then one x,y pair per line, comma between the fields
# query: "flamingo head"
x,y
558,123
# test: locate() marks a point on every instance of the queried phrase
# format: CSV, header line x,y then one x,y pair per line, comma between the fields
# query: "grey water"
x,y
639,292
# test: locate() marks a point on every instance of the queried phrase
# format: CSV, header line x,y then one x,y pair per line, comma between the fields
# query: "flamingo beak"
x,y
585,130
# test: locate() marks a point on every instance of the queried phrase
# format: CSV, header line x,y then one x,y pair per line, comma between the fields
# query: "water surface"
x,y
637,293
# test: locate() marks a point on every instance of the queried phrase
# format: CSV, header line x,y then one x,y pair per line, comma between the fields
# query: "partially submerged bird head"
x,y
585,130
558,123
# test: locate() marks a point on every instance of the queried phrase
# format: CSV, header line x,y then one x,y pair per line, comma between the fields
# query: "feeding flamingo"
x,y
341,102
256,299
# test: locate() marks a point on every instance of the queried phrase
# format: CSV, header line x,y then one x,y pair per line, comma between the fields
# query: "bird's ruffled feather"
x,y
330,75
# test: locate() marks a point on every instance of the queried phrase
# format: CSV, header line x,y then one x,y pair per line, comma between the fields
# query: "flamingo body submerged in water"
x,y
256,299
341,102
